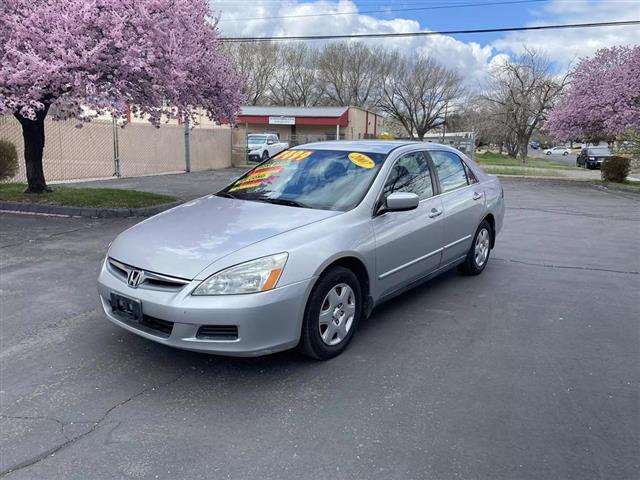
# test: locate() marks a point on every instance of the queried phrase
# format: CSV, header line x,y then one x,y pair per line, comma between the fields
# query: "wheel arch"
x,y
358,267
492,223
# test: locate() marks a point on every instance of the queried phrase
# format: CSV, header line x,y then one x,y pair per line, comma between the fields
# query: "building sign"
x,y
282,120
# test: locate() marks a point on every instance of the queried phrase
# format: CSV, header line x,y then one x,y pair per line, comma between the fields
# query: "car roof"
x,y
370,146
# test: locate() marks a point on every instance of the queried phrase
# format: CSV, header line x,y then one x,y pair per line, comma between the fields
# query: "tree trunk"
x,y
33,135
524,145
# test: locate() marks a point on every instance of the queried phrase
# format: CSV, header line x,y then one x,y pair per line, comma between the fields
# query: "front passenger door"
x,y
408,244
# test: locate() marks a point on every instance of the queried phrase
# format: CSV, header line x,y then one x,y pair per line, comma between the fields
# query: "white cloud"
x,y
566,46
471,59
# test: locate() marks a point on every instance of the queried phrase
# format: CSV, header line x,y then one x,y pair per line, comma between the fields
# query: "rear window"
x,y
320,179
599,151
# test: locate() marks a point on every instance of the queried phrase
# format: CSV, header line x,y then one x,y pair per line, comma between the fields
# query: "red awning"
x,y
342,120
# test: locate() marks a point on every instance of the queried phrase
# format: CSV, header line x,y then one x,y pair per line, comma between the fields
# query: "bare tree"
x,y
522,91
295,79
257,63
351,73
416,92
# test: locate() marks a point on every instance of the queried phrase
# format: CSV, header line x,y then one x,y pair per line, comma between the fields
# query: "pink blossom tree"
x,y
161,58
603,100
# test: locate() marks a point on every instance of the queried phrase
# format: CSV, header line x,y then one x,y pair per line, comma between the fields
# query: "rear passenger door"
x,y
462,201
408,244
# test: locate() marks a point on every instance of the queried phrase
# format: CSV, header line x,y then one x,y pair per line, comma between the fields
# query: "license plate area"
x,y
125,307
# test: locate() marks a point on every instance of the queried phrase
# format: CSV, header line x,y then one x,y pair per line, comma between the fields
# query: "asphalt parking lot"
x,y
529,371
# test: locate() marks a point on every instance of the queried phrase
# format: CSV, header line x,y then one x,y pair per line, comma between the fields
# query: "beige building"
x,y
307,124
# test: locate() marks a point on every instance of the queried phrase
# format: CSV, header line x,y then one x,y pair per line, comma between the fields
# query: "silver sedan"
x,y
302,247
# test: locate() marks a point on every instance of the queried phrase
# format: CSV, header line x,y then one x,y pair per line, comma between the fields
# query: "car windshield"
x,y
256,139
599,151
320,179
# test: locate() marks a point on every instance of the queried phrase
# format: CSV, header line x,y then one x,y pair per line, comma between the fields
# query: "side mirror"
x,y
269,142
401,202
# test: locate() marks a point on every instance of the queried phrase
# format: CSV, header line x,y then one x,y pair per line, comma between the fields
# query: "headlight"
x,y
257,275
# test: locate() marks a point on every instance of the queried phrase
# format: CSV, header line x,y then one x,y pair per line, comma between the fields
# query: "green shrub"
x,y
8,160
615,169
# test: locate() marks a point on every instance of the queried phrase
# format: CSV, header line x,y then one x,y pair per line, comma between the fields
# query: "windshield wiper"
x,y
225,194
282,201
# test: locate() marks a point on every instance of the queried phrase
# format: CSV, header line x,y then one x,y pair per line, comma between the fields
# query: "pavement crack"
x,y
569,267
70,441
575,213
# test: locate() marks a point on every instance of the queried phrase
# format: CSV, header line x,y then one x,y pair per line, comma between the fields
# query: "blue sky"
x,y
462,17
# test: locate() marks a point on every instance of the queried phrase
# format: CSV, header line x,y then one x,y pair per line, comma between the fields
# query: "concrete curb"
x,y
43,208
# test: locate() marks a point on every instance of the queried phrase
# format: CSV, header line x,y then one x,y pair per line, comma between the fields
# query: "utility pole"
x,y
444,124
187,146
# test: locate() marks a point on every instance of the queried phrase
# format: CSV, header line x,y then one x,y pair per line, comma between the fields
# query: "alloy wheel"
x,y
337,314
481,250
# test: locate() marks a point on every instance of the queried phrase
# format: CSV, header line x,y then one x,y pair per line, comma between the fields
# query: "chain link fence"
x,y
101,149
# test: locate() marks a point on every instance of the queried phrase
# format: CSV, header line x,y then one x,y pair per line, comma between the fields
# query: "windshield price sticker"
x,y
297,155
251,183
361,160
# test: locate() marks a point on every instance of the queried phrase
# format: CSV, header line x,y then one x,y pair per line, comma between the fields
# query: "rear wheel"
x,y
332,314
478,254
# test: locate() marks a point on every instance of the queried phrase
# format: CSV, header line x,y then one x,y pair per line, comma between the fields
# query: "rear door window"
x,y
450,170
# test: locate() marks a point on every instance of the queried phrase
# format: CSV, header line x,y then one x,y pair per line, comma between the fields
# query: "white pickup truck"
x,y
263,146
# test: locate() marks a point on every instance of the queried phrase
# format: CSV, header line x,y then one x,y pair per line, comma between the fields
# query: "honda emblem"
x,y
134,278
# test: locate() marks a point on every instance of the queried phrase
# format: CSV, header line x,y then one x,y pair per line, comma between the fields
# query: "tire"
x,y
564,154
476,261
265,156
547,153
332,314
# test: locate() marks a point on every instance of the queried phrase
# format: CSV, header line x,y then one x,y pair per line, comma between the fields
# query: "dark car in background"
x,y
535,145
592,157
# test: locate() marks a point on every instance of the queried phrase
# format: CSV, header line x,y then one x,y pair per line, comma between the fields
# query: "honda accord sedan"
x,y
301,248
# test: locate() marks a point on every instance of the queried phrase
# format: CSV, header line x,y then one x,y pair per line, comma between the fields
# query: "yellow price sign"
x,y
361,160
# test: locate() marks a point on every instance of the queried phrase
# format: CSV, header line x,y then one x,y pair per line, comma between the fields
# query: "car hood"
x,y
183,241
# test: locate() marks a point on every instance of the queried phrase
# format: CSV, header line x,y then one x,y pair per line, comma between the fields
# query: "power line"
x,y
427,34
389,10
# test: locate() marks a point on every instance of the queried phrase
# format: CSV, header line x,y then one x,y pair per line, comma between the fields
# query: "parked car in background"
x,y
592,157
302,247
535,145
557,151
261,147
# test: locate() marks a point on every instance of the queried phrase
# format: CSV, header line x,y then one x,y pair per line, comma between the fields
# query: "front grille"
x,y
151,280
218,332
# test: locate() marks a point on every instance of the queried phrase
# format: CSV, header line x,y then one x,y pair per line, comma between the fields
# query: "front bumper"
x,y
266,322
594,163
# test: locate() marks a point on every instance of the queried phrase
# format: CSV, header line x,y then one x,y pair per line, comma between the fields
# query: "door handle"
x,y
435,213
477,195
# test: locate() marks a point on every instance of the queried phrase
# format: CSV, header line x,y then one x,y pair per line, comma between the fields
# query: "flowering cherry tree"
x,y
160,58
603,100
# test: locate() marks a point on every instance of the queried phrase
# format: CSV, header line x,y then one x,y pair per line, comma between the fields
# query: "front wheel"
x,y
478,254
565,153
265,156
547,153
332,314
